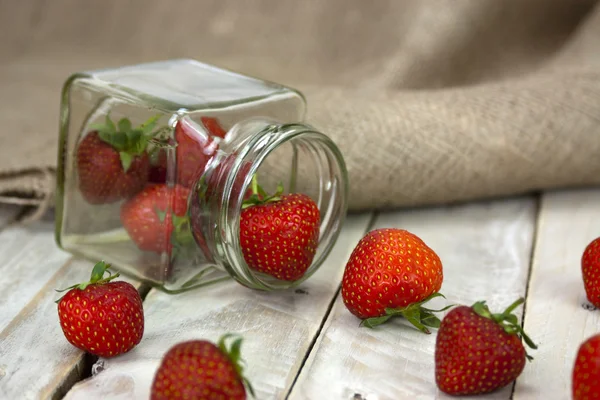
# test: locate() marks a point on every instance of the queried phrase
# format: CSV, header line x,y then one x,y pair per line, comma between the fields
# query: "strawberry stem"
x,y
97,278
508,321
234,354
419,316
259,196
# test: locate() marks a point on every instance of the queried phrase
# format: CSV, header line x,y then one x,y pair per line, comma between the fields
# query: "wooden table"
x,y
304,344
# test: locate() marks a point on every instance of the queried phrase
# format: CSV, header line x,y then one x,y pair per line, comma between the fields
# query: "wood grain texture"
x,y
485,250
557,316
278,328
29,259
37,361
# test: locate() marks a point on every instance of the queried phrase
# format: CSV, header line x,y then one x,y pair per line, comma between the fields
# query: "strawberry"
x,y
279,234
586,371
112,162
156,218
478,352
102,317
213,127
590,268
392,272
198,369
193,151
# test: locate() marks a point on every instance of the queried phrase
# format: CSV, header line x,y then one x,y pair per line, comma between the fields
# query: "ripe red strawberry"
x,y
198,369
213,127
156,218
195,147
586,371
112,162
590,268
279,234
478,352
102,317
392,272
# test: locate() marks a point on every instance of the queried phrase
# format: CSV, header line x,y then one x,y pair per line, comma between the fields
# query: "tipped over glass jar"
x,y
181,174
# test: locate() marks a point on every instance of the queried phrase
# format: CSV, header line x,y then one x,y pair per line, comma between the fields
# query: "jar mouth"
x,y
329,193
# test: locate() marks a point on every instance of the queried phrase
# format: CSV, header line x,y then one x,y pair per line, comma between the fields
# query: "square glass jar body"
x,y
168,98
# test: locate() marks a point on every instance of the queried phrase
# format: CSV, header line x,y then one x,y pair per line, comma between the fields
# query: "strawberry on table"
x,y
586,371
590,268
477,351
279,234
156,218
102,317
112,162
392,272
199,369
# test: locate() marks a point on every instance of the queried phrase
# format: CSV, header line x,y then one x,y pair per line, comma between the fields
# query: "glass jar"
x,y
158,164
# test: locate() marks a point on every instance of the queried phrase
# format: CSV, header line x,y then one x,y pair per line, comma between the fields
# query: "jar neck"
x,y
298,156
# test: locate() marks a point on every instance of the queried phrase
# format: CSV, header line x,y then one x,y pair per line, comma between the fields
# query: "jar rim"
x,y
254,152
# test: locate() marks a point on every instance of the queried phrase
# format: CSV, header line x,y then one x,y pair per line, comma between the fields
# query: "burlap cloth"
x,y
431,102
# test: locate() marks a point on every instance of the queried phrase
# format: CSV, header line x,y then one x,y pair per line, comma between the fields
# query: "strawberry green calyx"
x,y
259,196
127,140
97,278
508,321
419,316
233,352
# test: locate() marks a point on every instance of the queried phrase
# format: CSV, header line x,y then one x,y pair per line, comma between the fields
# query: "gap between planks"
x,y
488,242
278,328
558,315
326,315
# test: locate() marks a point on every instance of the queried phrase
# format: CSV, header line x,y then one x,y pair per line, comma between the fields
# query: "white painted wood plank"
x,y
36,360
555,315
485,251
28,259
278,328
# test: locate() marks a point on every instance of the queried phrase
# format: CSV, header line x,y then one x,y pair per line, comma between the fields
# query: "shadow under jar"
x,y
159,162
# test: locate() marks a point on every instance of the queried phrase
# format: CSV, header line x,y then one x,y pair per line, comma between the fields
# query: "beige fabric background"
x,y
431,101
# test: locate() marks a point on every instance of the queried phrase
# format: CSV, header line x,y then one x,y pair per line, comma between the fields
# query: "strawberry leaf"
x,y
419,316
126,160
235,350
118,140
259,196
508,321
124,125
97,278
430,320
413,315
148,126
98,271
234,354
109,124
375,321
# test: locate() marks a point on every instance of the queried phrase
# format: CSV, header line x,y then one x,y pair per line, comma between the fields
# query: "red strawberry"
x,y
586,371
478,352
213,127
112,162
102,317
156,216
590,268
193,151
392,272
198,369
279,234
